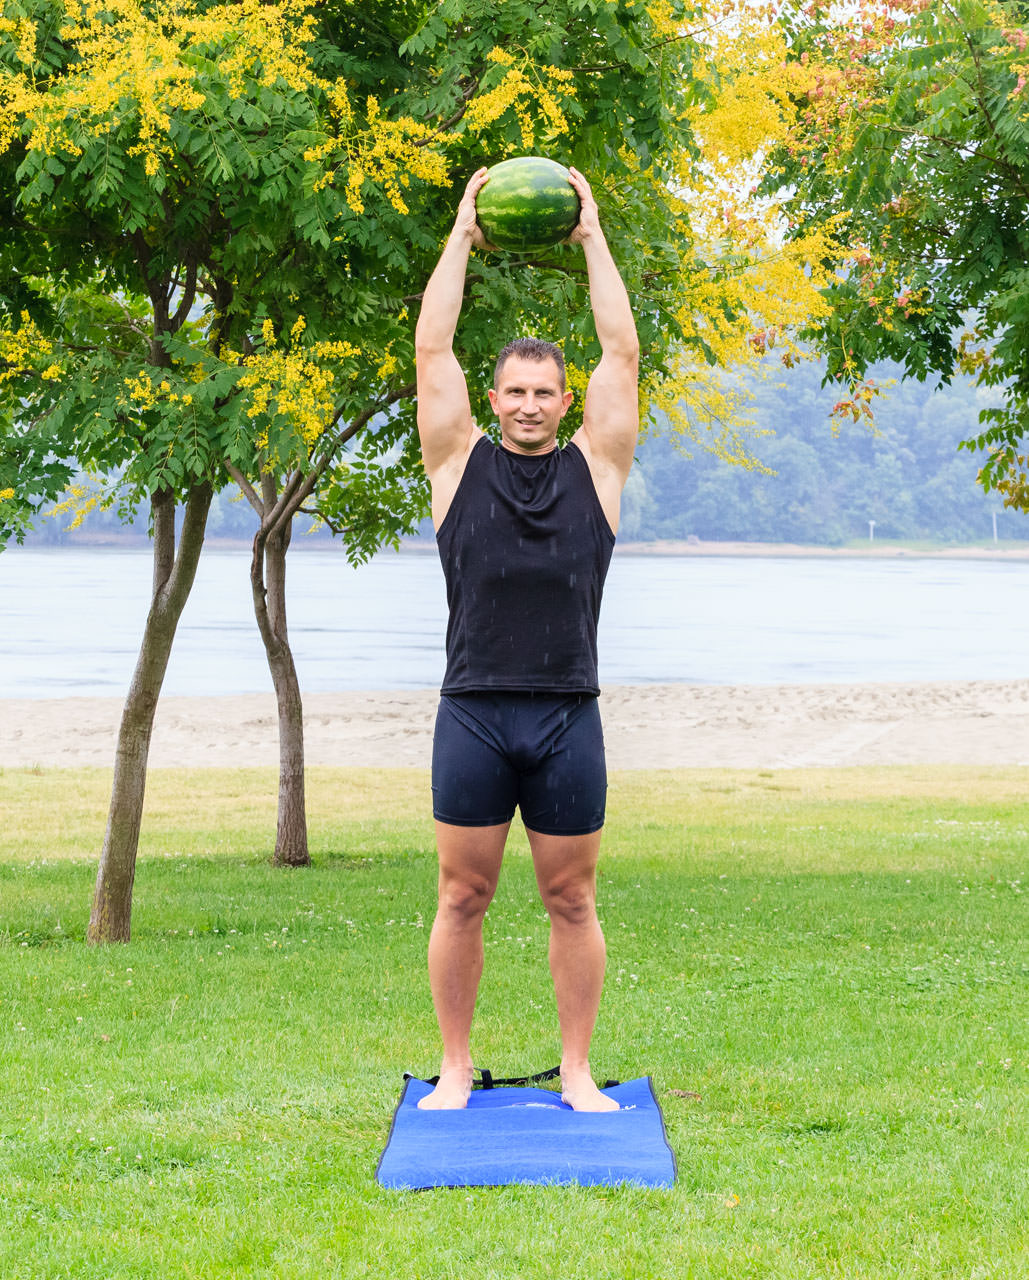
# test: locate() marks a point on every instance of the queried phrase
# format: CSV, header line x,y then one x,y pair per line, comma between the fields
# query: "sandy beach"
x,y
646,727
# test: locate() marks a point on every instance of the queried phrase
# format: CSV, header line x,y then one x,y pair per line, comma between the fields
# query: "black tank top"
x,y
525,548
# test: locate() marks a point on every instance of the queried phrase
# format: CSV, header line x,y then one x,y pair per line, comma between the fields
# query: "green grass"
x,y
834,961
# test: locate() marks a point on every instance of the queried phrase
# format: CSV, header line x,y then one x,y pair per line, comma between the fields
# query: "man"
x,y
525,532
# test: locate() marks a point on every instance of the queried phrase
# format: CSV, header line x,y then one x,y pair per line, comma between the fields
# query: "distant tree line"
x,y
906,473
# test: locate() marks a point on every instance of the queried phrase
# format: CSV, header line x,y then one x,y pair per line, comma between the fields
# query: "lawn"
x,y
825,973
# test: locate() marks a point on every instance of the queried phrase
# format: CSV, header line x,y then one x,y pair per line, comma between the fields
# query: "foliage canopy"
x,y
218,218
913,143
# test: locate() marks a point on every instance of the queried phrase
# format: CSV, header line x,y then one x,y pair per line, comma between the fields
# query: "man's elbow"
x,y
428,344
624,352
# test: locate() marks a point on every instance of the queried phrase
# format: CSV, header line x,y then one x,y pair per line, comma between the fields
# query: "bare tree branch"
x,y
467,94
246,488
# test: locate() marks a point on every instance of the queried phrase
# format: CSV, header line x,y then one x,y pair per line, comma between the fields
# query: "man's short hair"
x,y
530,349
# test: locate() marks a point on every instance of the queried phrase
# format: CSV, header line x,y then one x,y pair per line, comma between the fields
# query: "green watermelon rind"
x,y
528,205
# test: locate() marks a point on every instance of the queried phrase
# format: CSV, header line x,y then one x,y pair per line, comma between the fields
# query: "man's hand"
x,y
466,224
588,225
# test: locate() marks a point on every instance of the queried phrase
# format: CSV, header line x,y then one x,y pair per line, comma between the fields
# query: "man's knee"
x,y
465,896
570,901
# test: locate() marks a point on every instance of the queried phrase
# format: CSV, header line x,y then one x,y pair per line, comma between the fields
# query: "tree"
x,y
155,156
912,148
240,203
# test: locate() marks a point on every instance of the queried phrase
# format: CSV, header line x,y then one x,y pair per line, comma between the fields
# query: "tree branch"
x,y
189,294
648,48
286,509
467,94
246,488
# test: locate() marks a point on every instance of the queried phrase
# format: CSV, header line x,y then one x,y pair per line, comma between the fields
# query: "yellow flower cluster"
x,y
23,349
23,32
535,95
297,384
270,42
576,380
6,495
13,98
142,394
748,306
80,501
664,20
387,152
131,58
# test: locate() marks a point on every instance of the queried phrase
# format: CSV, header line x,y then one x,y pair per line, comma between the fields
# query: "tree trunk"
x,y
268,584
111,915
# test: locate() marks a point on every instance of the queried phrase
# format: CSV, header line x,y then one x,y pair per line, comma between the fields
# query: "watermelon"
x,y
527,205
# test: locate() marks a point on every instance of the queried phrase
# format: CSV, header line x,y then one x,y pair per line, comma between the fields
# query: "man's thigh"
x,y
565,795
471,855
474,784
565,864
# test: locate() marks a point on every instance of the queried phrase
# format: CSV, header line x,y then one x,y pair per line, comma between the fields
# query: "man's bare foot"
x,y
452,1091
580,1093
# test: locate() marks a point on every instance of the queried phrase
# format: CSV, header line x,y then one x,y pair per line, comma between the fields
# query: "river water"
x,y
71,620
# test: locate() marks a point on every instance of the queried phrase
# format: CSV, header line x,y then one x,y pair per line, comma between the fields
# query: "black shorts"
x,y
542,753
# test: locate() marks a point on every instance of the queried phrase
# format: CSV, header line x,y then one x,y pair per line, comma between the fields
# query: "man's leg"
x,y
469,865
566,868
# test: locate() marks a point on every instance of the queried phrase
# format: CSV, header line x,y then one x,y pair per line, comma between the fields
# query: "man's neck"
x,y
528,453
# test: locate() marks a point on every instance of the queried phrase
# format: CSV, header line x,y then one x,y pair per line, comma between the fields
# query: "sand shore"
x,y
646,727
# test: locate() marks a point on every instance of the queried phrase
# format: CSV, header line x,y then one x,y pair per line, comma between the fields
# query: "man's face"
x,y
530,404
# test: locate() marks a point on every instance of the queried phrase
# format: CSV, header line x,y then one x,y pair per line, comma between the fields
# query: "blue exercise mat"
x,y
506,1136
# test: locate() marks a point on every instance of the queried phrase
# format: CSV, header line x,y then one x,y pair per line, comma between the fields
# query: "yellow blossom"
x,y
125,53
141,392
298,385
22,347
23,32
752,286
534,93
80,500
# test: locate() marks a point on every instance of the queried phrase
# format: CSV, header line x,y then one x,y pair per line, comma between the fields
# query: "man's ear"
x,y
566,402
492,393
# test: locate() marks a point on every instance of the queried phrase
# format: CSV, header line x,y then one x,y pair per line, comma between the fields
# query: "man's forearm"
x,y
609,299
443,296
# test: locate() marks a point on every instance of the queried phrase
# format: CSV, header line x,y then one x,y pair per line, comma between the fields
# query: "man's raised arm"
x,y
445,424
610,413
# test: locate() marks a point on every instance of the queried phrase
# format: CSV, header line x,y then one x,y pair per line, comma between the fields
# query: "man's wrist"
x,y
594,240
462,237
